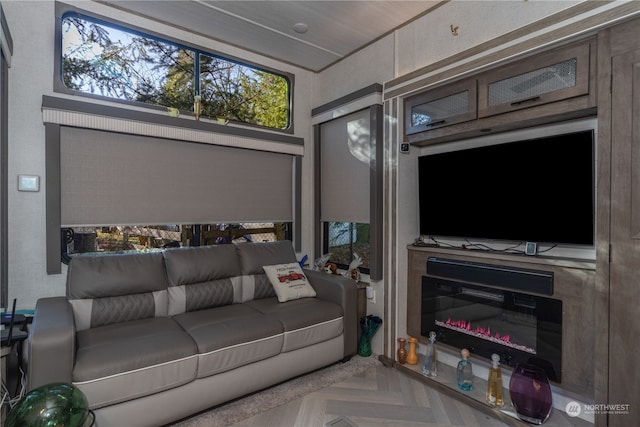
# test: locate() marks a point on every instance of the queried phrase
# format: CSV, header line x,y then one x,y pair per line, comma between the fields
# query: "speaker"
x,y
512,278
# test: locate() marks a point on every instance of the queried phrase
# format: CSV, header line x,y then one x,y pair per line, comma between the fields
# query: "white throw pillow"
x,y
289,281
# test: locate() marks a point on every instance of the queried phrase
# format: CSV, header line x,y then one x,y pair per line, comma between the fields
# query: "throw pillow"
x,y
289,281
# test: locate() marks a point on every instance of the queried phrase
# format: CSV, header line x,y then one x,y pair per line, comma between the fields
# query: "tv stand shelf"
x,y
574,283
540,260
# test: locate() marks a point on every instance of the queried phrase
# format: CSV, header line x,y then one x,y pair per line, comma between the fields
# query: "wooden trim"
x,y
4,179
376,242
94,109
332,105
297,204
53,207
317,187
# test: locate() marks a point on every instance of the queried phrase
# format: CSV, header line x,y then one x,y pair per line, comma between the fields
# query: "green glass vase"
x,y
51,405
368,327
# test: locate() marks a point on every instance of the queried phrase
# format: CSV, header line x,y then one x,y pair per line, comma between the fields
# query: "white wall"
x,y
32,27
429,39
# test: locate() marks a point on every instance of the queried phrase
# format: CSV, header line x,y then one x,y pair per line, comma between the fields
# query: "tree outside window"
x,y
106,60
343,240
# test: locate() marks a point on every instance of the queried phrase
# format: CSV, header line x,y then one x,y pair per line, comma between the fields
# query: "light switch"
x,y
28,183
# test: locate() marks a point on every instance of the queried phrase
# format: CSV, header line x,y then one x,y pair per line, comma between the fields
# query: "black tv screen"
x,y
535,190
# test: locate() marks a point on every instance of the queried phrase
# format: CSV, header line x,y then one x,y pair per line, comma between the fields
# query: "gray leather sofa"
x,y
152,338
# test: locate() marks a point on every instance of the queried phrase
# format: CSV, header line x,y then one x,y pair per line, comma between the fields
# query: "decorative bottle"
x,y
430,368
402,351
412,357
494,387
464,373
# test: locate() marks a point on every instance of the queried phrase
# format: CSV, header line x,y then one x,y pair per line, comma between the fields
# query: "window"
x,y
128,238
348,189
346,241
108,60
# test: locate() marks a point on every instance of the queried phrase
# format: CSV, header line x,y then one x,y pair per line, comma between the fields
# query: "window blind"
x,y
345,172
113,178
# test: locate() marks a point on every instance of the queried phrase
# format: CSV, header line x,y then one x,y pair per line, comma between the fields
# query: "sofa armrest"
x,y
51,343
342,291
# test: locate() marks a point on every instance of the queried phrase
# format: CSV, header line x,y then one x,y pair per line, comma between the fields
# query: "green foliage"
x,y
107,61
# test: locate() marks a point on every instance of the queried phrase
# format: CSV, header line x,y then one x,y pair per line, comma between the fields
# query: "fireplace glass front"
x,y
521,328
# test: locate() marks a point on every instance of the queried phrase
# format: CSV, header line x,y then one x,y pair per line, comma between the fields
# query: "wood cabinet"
x,y
548,87
545,78
445,106
619,203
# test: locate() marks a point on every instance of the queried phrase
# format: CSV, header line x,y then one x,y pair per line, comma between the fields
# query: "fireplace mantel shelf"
x,y
445,382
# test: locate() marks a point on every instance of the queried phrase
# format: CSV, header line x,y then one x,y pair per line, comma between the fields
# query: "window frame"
x,y
63,10
62,112
371,96
6,51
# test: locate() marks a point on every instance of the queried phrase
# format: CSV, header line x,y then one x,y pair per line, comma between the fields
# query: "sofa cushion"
x,y
124,361
231,336
289,281
255,284
106,289
305,321
202,277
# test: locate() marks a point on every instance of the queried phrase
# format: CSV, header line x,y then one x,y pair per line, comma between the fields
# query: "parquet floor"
x,y
380,397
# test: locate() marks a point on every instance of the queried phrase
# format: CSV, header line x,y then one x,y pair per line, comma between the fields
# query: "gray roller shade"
x,y
345,156
112,178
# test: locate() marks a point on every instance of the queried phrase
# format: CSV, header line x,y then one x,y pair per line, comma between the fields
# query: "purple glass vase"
x,y
530,393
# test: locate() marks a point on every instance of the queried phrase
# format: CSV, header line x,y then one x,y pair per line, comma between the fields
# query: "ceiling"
x,y
334,28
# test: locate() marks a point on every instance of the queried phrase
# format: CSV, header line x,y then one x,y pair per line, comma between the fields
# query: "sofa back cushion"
x,y
107,289
202,277
253,257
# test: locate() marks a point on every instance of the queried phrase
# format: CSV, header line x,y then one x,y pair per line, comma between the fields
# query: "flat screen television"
x,y
536,189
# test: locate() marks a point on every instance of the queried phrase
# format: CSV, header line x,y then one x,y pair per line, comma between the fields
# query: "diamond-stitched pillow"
x,y
289,281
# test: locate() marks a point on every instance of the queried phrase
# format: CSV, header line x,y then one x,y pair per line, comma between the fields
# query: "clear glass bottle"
x,y
494,386
464,373
430,367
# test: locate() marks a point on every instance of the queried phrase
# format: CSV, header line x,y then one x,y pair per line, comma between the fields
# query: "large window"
x,y
108,60
138,238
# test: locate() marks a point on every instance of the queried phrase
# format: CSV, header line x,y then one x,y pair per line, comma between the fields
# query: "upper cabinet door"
x,y
444,106
545,78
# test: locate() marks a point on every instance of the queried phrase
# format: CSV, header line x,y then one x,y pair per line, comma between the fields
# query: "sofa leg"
x,y
345,359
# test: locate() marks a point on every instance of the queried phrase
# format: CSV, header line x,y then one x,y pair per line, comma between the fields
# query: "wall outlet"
x,y
371,295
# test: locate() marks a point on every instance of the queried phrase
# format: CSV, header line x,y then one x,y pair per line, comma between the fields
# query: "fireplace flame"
x,y
478,330
465,327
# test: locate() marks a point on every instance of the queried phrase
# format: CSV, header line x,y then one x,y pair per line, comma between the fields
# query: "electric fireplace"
x,y
520,327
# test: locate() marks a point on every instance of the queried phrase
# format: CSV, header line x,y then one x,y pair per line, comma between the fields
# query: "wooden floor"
x,y
381,397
